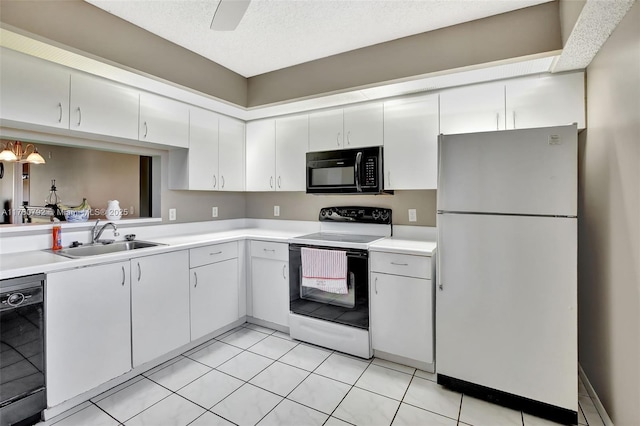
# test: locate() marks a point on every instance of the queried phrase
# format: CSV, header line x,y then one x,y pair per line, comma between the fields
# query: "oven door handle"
x,y
358,164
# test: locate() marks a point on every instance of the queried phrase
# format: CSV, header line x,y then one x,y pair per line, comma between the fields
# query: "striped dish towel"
x,y
325,270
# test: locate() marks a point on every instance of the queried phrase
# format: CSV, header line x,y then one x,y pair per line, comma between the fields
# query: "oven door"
x,y
350,309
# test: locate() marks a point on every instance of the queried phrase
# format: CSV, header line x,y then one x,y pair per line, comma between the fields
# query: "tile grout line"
x,y
352,386
293,388
105,411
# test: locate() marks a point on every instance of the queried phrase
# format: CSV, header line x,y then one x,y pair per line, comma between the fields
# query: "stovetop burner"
x,y
349,238
349,227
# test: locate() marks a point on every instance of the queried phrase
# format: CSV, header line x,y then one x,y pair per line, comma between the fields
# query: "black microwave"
x,y
345,171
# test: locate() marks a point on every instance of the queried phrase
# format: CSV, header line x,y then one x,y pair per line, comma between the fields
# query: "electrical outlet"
x,y
214,212
131,210
172,214
413,217
276,210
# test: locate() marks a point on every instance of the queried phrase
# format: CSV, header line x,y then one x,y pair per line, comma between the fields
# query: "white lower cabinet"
x,y
270,282
159,305
402,307
88,334
214,288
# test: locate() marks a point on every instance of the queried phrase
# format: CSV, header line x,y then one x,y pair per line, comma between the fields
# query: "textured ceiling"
x,y
597,21
275,34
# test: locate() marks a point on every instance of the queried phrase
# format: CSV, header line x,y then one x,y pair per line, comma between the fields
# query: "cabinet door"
x,y
214,297
261,155
88,329
363,125
163,121
325,130
292,143
33,90
402,316
103,107
478,108
546,101
203,150
231,154
411,143
270,290
159,305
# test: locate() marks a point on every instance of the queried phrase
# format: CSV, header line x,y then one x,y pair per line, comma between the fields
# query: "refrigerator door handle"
x,y
438,261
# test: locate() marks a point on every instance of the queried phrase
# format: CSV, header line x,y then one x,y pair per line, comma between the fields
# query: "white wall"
x,y
609,225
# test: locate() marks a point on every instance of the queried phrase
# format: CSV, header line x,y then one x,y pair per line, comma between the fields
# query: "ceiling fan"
x,y
228,14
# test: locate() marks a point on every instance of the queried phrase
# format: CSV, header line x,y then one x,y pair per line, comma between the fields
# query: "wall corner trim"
x,y
594,397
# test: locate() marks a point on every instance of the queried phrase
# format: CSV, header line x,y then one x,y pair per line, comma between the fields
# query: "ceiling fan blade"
x,y
228,14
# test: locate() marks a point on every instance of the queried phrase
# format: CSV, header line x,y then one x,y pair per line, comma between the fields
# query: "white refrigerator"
x,y
506,303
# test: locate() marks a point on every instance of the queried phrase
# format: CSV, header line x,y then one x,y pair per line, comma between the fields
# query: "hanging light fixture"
x,y
13,152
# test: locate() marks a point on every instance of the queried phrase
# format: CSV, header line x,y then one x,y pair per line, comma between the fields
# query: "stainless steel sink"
x,y
98,249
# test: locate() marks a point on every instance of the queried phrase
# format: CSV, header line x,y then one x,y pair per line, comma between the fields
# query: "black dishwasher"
x,y
22,390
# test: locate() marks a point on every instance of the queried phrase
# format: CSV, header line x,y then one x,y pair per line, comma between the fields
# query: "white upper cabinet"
x,y
231,133
363,125
544,101
163,121
292,143
103,107
261,155
33,91
196,168
411,143
325,130
276,154
353,127
477,108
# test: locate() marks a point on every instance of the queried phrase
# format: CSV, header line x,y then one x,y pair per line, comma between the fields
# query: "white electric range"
x,y
337,321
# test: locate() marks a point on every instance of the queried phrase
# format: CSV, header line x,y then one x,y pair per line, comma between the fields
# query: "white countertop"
x,y
39,261
42,261
404,246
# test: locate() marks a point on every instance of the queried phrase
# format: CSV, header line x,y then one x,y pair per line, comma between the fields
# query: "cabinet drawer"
x,y
267,250
212,254
401,264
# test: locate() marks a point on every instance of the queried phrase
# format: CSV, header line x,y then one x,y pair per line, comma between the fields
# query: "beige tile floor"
x,y
253,375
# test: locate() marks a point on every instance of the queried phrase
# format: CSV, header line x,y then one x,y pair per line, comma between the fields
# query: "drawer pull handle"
x,y
139,272
124,276
215,181
284,269
215,253
146,130
79,116
271,250
271,182
60,116
399,264
375,285
222,177
195,275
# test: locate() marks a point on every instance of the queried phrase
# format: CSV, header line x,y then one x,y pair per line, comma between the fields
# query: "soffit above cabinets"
x,y
277,34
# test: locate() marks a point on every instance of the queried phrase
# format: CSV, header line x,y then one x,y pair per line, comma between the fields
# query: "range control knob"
x,y
384,215
375,214
330,212
323,212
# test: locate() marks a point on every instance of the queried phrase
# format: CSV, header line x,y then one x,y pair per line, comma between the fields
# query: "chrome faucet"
x,y
96,233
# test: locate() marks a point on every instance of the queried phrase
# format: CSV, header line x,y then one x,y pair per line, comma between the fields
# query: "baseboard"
x,y
594,397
